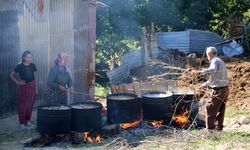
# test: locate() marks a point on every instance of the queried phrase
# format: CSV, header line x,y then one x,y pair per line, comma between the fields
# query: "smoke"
x,y
168,15
120,16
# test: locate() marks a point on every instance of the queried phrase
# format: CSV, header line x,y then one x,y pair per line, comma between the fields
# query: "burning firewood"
x,y
129,125
110,130
92,137
157,123
182,119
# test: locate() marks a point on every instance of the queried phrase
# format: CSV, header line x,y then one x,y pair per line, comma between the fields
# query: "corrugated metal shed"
x,y
7,5
188,41
47,27
8,59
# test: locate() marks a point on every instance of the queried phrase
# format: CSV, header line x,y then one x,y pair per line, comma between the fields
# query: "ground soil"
x,y
11,137
238,76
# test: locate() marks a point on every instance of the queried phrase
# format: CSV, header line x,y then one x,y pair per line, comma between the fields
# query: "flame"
x,y
129,125
98,138
157,123
182,119
89,139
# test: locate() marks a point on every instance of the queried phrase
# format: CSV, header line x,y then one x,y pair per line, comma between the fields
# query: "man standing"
x,y
218,82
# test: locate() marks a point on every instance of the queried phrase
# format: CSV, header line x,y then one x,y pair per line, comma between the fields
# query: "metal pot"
x,y
86,116
123,108
53,119
157,105
186,100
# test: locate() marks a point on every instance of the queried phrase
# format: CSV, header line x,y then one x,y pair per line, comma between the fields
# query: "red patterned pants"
x,y
26,99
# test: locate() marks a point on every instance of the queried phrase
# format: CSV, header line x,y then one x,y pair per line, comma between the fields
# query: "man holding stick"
x,y
218,82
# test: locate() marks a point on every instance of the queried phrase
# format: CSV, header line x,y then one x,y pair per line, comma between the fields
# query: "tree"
x,y
116,27
121,22
226,14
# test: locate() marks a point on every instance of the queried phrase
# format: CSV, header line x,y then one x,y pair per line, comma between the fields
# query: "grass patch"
x,y
207,141
224,140
235,112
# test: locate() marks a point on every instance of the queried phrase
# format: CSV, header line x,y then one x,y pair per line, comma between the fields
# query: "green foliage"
x,y
226,12
102,90
116,31
247,16
120,24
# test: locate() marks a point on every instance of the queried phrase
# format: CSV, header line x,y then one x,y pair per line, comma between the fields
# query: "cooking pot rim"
x,y
97,104
184,93
165,94
134,96
42,107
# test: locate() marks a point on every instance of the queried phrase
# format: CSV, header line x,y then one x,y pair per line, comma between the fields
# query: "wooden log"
x,y
137,88
111,130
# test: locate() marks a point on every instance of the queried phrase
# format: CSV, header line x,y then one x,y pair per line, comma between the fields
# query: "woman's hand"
x,y
21,82
72,90
62,88
13,77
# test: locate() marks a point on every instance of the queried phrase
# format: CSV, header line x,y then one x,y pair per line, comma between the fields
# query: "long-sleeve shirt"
x,y
218,73
57,78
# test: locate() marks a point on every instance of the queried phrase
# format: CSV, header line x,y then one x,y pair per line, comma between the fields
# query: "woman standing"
x,y
59,81
27,88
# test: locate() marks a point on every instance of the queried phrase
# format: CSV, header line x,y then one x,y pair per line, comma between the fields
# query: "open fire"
x,y
88,138
130,125
157,123
182,119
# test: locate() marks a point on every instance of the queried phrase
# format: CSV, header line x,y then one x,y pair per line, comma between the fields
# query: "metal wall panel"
x,y
34,36
9,46
189,41
81,28
66,29
11,5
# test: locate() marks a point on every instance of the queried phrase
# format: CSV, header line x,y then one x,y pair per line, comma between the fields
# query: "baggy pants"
x,y
215,108
26,99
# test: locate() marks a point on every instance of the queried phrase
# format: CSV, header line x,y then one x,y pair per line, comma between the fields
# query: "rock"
x,y
244,120
244,106
192,55
235,122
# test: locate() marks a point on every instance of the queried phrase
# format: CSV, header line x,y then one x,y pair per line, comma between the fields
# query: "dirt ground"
x,y
236,135
238,76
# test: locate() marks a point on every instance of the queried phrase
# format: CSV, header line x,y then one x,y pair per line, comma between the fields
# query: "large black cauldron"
x,y
53,119
86,116
123,108
157,105
186,100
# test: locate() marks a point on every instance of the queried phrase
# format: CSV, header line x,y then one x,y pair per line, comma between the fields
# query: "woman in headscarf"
x,y
59,81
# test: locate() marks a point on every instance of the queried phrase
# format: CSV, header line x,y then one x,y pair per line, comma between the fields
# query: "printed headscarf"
x,y
59,62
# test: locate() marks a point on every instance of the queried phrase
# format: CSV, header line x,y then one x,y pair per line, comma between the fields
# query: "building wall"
x,y
9,46
34,36
50,27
